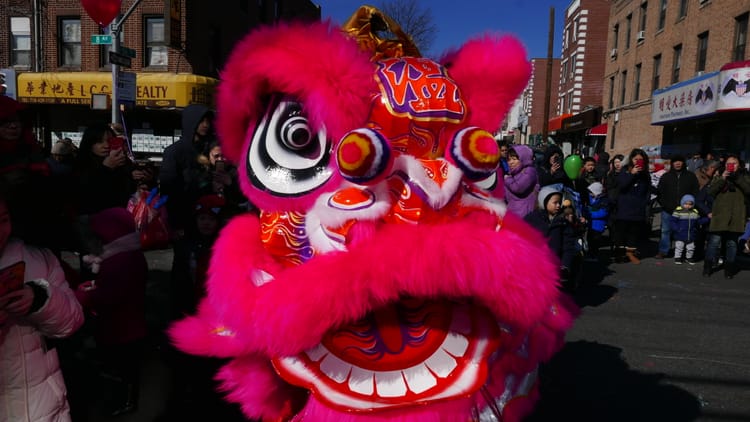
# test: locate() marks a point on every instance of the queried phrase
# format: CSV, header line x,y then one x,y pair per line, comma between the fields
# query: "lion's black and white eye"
x,y
287,156
489,183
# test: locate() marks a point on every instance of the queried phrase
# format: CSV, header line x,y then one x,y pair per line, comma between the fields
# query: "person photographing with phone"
x,y
38,305
634,184
728,215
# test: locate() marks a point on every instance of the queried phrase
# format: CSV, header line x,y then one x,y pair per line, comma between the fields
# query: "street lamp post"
x,y
115,28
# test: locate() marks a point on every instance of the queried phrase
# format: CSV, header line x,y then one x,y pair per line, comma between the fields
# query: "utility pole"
x,y
548,81
115,28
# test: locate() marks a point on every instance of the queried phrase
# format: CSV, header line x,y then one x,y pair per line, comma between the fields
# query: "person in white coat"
x,y
43,306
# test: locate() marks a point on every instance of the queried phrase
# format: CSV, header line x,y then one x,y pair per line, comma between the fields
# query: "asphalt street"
x,y
654,342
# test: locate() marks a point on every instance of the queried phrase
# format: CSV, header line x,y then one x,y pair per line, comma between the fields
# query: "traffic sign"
x,y
126,88
119,59
129,52
101,39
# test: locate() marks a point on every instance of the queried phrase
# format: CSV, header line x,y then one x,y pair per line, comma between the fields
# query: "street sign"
x,y
101,39
119,59
126,88
129,52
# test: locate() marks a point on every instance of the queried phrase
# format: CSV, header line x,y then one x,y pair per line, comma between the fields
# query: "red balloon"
x,y
102,11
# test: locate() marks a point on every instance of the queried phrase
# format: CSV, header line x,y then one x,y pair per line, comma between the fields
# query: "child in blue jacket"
x,y
685,222
596,213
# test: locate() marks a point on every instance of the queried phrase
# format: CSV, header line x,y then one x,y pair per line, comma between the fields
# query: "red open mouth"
x,y
415,351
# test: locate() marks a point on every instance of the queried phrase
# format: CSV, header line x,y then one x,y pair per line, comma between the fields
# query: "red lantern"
x,y
102,11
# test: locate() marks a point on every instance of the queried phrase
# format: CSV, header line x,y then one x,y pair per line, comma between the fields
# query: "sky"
x,y
461,20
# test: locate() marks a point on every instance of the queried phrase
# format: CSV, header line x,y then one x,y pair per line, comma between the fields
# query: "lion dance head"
x,y
382,278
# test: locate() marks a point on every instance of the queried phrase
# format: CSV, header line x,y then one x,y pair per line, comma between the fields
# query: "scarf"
x,y
127,243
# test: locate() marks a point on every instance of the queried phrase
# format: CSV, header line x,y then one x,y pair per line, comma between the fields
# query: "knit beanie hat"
x,y
677,157
209,204
596,189
111,224
687,198
546,193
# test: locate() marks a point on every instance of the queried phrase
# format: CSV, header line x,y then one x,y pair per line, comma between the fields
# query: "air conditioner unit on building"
x,y
641,35
699,73
613,54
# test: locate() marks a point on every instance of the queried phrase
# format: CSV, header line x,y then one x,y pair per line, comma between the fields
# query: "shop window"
x,y
637,83
157,52
662,15
623,85
69,36
657,73
676,63
20,43
700,61
740,37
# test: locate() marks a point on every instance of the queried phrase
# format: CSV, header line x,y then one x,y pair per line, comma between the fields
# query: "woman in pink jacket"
x,y
40,306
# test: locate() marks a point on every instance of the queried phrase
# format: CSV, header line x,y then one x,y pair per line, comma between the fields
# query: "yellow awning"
x,y
158,90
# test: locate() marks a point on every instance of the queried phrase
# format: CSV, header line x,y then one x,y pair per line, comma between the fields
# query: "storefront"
x,y
62,101
708,113
575,132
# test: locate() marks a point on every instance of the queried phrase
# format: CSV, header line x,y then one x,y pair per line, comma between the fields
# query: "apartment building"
x,y
675,77
577,113
56,60
531,106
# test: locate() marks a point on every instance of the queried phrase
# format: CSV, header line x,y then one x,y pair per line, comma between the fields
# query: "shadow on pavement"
x,y
589,381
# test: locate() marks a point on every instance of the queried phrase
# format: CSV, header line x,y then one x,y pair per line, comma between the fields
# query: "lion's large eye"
x,y
287,157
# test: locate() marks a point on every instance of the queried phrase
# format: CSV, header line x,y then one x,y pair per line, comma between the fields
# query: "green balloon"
x,y
572,166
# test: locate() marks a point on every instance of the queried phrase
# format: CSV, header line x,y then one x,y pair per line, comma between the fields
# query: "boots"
x,y
728,270
630,253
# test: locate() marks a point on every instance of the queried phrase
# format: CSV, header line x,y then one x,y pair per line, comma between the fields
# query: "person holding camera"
x,y
634,185
728,215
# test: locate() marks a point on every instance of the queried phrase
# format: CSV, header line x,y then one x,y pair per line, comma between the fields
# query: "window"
x,y
570,102
642,22
676,63
20,43
637,83
69,47
657,73
156,48
628,30
662,15
615,35
683,8
700,61
611,92
564,75
573,65
623,84
740,37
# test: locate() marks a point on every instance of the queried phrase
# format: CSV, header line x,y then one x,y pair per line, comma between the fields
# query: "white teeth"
x,y
441,363
390,384
361,381
456,344
317,352
260,277
419,378
335,368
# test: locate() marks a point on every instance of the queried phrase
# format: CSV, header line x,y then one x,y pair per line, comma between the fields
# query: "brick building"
x,y
531,110
50,55
664,88
578,101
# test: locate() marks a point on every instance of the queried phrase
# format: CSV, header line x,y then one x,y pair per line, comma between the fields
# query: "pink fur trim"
x,y
512,277
491,71
313,62
454,410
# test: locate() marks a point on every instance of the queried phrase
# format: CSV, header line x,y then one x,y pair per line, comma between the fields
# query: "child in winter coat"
x,y
549,220
685,222
596,213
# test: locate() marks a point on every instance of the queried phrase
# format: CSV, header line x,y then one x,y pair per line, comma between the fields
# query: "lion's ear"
x,y
491,71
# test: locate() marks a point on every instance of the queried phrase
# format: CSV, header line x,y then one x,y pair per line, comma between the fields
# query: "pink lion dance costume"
x,y
383,279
